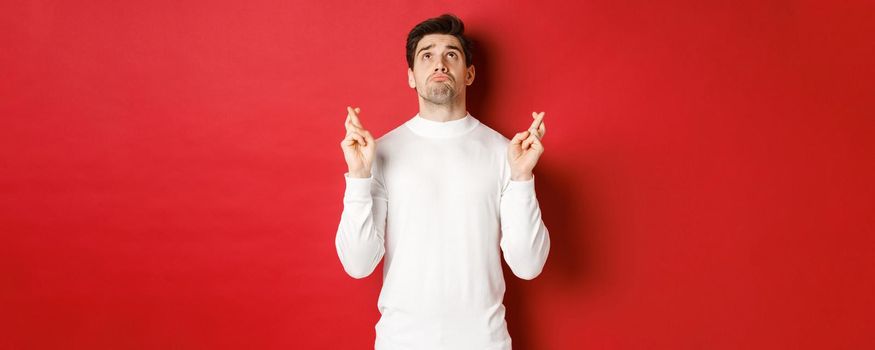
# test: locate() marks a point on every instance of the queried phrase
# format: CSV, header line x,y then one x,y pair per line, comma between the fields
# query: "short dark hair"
x,y
444,24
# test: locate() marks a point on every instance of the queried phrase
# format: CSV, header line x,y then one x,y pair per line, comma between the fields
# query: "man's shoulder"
x,y
394,135
492,136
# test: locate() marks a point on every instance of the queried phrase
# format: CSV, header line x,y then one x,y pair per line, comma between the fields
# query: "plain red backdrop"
x,y
172,177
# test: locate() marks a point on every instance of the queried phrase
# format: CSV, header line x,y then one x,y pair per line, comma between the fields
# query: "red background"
x,y
172,177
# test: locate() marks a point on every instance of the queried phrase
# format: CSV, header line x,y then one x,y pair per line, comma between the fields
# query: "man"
x,y
439,197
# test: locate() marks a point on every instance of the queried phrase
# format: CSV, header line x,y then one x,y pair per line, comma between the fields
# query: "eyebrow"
x,y
452,47
424,48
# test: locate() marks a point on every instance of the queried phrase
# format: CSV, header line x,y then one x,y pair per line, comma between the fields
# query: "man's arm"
x,y
361,232
524,238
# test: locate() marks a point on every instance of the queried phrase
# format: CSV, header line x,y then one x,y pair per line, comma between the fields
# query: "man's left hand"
x,y
525,148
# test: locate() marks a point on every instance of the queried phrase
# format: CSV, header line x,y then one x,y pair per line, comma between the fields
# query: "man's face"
x,y
439,73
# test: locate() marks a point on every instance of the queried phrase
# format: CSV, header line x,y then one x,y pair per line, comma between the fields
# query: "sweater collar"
x,y
430,128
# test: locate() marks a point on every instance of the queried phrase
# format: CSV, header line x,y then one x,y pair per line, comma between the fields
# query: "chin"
x,y
441,98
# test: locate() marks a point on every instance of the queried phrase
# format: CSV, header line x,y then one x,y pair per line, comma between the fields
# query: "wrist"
x,y
521,177
360,174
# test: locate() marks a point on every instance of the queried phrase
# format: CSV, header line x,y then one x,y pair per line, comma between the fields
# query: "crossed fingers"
x,y
352,119
538,128
536,131
354,129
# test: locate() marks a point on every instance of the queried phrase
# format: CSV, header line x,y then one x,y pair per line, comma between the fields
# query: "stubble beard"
x,y
440,93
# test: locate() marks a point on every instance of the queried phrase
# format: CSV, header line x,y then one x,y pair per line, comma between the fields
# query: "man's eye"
x,y
428,55
452,54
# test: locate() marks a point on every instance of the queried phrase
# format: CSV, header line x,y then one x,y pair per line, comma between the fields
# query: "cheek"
x,y
421,76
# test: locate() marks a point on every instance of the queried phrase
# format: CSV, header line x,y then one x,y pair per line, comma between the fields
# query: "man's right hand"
x,y
358,146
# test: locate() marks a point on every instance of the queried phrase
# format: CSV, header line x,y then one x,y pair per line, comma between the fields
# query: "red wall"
x,y
172,178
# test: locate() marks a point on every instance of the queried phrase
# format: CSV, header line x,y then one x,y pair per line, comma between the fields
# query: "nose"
x,y
440,67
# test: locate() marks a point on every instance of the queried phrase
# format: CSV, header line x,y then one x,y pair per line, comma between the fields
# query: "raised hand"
x,y
525,148
358,146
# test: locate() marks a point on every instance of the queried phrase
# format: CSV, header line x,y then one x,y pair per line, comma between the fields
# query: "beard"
x,y
440,93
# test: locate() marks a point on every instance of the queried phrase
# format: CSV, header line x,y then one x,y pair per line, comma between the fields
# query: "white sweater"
x,y
439,204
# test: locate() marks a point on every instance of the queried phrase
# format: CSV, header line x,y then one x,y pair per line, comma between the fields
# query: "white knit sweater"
x,y
439,205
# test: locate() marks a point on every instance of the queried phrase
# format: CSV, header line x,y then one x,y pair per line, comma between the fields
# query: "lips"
x,y
440,77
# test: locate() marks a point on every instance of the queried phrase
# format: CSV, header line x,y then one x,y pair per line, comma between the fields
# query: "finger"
x,y
536,125
529,140
350,128
359,138
368,137
354,116
348,140
352,140
536,122
540,129
543,129
536,133
519,137
537,145
352,121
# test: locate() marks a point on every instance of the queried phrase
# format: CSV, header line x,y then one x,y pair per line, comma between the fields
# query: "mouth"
x,y
440,77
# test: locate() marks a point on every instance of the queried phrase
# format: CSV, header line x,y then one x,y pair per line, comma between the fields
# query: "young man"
x,y
438,198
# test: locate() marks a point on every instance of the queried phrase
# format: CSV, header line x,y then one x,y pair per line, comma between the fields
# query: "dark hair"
x,y
445,24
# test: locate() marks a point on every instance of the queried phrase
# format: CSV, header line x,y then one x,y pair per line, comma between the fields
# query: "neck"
x,y
444,112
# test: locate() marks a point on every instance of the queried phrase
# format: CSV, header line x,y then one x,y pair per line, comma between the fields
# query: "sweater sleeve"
x,y
361,232
524,238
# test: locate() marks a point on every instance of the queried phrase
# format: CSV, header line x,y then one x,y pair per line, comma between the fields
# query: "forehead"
x,y
438,40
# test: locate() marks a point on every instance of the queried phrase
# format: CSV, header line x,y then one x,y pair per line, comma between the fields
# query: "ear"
x,y
469,75
410,81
